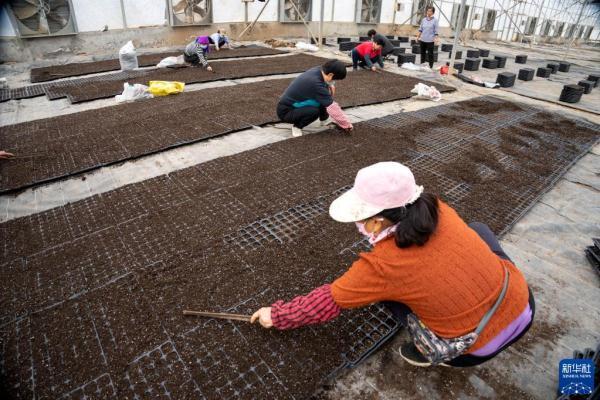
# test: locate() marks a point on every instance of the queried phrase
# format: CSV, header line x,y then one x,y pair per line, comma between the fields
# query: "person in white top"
x,y
219,39
428,35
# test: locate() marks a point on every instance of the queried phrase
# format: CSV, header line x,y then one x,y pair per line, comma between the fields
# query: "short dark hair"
x,y
380,41
432,8
415,222
372,32
335,67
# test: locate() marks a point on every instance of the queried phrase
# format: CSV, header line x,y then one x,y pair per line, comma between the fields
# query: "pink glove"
x,y
338,116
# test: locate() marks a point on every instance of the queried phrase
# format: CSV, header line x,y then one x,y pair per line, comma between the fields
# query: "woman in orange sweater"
x,y
428,266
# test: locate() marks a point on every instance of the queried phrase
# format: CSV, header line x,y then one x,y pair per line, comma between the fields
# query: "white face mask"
x,y
363,231
371,236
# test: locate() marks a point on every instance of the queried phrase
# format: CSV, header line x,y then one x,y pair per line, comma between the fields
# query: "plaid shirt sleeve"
x,y
336,113
201,56
316,307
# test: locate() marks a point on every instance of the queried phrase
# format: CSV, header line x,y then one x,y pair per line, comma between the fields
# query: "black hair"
x,y
380,42
335,67
415,222
372,32
432,8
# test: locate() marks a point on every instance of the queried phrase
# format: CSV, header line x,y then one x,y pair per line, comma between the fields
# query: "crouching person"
x,y
366,54
219,39
196,52
451,284
310,97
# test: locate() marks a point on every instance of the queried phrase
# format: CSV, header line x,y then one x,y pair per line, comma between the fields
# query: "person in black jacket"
x,y
310,97
387,48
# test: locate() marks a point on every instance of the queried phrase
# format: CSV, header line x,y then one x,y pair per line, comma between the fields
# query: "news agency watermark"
x,y
576,376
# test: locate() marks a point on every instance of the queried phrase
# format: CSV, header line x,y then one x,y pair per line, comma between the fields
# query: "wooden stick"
x,y
235,317
251,26
25,157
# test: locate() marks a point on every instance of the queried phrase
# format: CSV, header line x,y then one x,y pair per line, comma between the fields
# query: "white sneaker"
x,y
296,132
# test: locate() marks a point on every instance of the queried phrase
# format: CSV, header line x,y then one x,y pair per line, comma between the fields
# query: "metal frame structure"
x,y
514,19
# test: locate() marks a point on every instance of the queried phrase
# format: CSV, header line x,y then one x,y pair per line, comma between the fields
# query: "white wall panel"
x,y
387,11
345,10
230,10
145,13
92,15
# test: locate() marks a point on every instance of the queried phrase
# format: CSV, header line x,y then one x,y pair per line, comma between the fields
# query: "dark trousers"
x,y
427,52
303,116
221,41
358,60
401,311
193,59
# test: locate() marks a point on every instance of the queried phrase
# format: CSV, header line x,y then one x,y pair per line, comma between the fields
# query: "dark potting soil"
x,y
221,70
57,90
55,147
92,292
53,72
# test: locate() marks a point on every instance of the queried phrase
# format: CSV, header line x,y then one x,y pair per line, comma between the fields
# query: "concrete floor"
x,y
547,244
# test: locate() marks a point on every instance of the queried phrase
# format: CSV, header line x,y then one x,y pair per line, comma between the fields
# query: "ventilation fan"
x,y
291,15
370,11
43,17
191,12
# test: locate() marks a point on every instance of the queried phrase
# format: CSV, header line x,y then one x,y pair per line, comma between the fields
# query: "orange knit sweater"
x,y
449,283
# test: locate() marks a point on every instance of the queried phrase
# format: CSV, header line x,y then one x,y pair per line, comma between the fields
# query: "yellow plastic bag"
x,y
165,88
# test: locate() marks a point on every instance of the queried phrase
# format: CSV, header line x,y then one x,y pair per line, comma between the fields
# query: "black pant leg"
x,y
489,238
355,59
299,117
193,59
323,114
399,310
430,53
423,51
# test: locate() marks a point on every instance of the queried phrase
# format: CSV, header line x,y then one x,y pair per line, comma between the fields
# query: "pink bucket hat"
x,y
376,188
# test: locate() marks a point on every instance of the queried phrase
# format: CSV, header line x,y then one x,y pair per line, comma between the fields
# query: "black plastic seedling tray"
x,y
592,253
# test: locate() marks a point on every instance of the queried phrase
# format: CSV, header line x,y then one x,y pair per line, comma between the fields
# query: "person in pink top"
x,y
367,54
